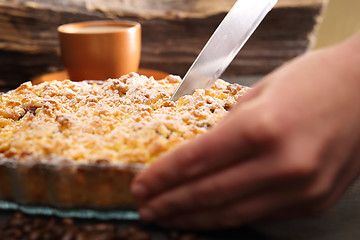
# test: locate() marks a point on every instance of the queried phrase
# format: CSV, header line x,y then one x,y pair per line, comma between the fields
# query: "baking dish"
x,y
68,185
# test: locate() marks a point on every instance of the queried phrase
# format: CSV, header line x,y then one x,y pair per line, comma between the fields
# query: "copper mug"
x,y
98,50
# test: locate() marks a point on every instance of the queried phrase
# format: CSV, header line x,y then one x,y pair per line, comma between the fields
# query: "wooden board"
x,y
174,32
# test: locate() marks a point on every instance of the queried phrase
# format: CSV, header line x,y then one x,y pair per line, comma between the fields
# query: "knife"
x,y
231,35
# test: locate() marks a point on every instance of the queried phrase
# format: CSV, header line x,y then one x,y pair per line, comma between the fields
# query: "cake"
x,y
79,144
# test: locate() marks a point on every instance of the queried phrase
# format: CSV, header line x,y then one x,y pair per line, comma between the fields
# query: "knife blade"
x,y
231,35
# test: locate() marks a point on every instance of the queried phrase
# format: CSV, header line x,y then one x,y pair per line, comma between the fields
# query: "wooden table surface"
x,y
342,222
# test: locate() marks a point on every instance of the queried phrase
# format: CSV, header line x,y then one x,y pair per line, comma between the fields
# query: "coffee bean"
x,y
35,234
38,223
18,215
189,236
140,236
123,235
81,236
23,227
13,232
68,236
27,228
9,238
51,223
16,222
104,227
58,230
99,227
68,221
133,229
47,236
174,235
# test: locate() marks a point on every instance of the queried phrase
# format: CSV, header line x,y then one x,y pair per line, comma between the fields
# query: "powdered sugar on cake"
x,y
130,119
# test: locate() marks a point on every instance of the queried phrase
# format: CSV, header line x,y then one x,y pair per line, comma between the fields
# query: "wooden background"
x,y
174,32
341,20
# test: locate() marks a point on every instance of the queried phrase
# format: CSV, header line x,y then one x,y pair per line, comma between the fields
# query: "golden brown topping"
x,y
130,119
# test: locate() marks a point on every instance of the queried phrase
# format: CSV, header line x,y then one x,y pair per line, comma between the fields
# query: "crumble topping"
x,y
129,120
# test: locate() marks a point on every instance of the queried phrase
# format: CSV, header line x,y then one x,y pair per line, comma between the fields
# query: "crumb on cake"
x,y
128,120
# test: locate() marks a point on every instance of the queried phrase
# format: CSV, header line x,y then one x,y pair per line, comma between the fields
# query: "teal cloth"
x,y
78,213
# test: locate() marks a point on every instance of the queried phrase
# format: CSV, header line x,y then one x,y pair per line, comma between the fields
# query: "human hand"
x,y
290,147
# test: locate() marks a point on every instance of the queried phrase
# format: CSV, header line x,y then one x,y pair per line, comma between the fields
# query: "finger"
x,y
213,190
256,207
323,192
279,200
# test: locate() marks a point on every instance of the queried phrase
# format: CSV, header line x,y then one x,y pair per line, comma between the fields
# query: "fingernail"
x,y
146,214
139,190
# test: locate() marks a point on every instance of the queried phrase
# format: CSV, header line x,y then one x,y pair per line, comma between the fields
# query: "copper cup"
x,y
98,50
